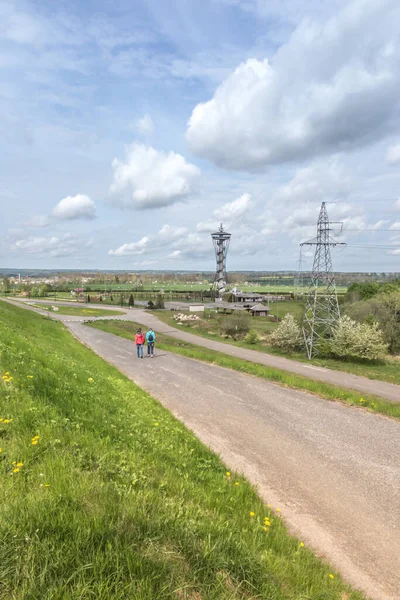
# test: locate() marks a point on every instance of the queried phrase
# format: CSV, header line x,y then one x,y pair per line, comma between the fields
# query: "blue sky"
x,y
130,130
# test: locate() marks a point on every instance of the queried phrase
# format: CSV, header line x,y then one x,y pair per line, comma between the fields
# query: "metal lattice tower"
x,y
221,241
322,308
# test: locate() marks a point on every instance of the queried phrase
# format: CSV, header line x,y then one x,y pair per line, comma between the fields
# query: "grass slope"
x,y
388,370
127,329
106,495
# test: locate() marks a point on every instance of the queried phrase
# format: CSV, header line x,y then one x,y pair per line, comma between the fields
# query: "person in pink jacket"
x,y
139,341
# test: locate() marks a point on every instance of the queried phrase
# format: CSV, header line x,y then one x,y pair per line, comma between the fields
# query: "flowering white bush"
x,y
287,335
358,340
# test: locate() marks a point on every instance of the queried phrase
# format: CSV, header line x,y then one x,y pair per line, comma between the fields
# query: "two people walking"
x,y
141,339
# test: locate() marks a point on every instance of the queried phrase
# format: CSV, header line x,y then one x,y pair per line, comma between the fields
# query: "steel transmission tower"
x,y
221,241
322,308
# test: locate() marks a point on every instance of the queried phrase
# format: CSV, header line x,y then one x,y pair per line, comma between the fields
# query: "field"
x,y
105,495
127,329
78,311
210,327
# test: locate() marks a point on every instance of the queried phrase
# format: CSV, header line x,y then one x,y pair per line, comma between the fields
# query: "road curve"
x,y
388,391
333,470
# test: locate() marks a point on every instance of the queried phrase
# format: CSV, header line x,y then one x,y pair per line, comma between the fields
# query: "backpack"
x,y
150,337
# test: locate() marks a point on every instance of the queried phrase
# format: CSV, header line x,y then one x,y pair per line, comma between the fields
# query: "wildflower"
x,y
30,376
265,528
266,525
34,442
252,514
155,424
237,483
362,400
1,420
1,449
278,510
301,545
20,464
228,474
7,421
91,380
331,576
16,470
46,485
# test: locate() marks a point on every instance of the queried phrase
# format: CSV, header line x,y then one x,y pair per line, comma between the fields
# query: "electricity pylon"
x,y
322,308
221,241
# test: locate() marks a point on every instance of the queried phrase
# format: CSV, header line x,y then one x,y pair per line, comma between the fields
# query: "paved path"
x,y
334,470
385,390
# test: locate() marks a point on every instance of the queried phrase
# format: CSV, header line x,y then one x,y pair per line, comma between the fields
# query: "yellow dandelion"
x,y
7,373
301,544
1,449
278,510
46,485
1,420
20,464
34,442
16,470
228,474
331,576
7,421
30,376
252,514
268,506
91,380
237,483
267,524
155,424
265,528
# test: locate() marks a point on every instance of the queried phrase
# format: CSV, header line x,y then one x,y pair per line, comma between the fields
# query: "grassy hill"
x,y
105,495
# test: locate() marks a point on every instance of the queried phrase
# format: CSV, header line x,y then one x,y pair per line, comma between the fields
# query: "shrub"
x,y
159,301
287,335
251,337
150,305
358,340
236,325
131,300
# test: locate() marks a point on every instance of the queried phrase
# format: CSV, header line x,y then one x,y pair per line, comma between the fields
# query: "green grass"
x,y
209,328
117,500
127,329
79,311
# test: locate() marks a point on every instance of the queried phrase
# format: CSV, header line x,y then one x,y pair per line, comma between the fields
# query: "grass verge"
x,y
383,370
78,311
127,329
106,495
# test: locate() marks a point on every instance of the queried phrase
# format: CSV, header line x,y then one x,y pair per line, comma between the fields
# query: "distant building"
x,y
248,297
259,310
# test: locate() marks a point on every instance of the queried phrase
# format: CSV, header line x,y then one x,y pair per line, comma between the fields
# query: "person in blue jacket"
x,y
150,339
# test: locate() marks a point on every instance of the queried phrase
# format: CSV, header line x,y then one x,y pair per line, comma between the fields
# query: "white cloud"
x,y
37,221
166,236
75,207
235,209
66,245
152,177
323,91
132,249
395,226
145,125
207,226
397,205
393,155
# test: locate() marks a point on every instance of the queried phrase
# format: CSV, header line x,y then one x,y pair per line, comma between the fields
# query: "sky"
x,y
130,130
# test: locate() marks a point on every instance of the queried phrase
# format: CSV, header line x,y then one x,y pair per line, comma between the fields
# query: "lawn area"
x,y
79,311
106,496
209,327
127,330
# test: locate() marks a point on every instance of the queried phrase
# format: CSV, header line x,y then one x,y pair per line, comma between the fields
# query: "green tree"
x,y
150,305
131,301
121,299
89,298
